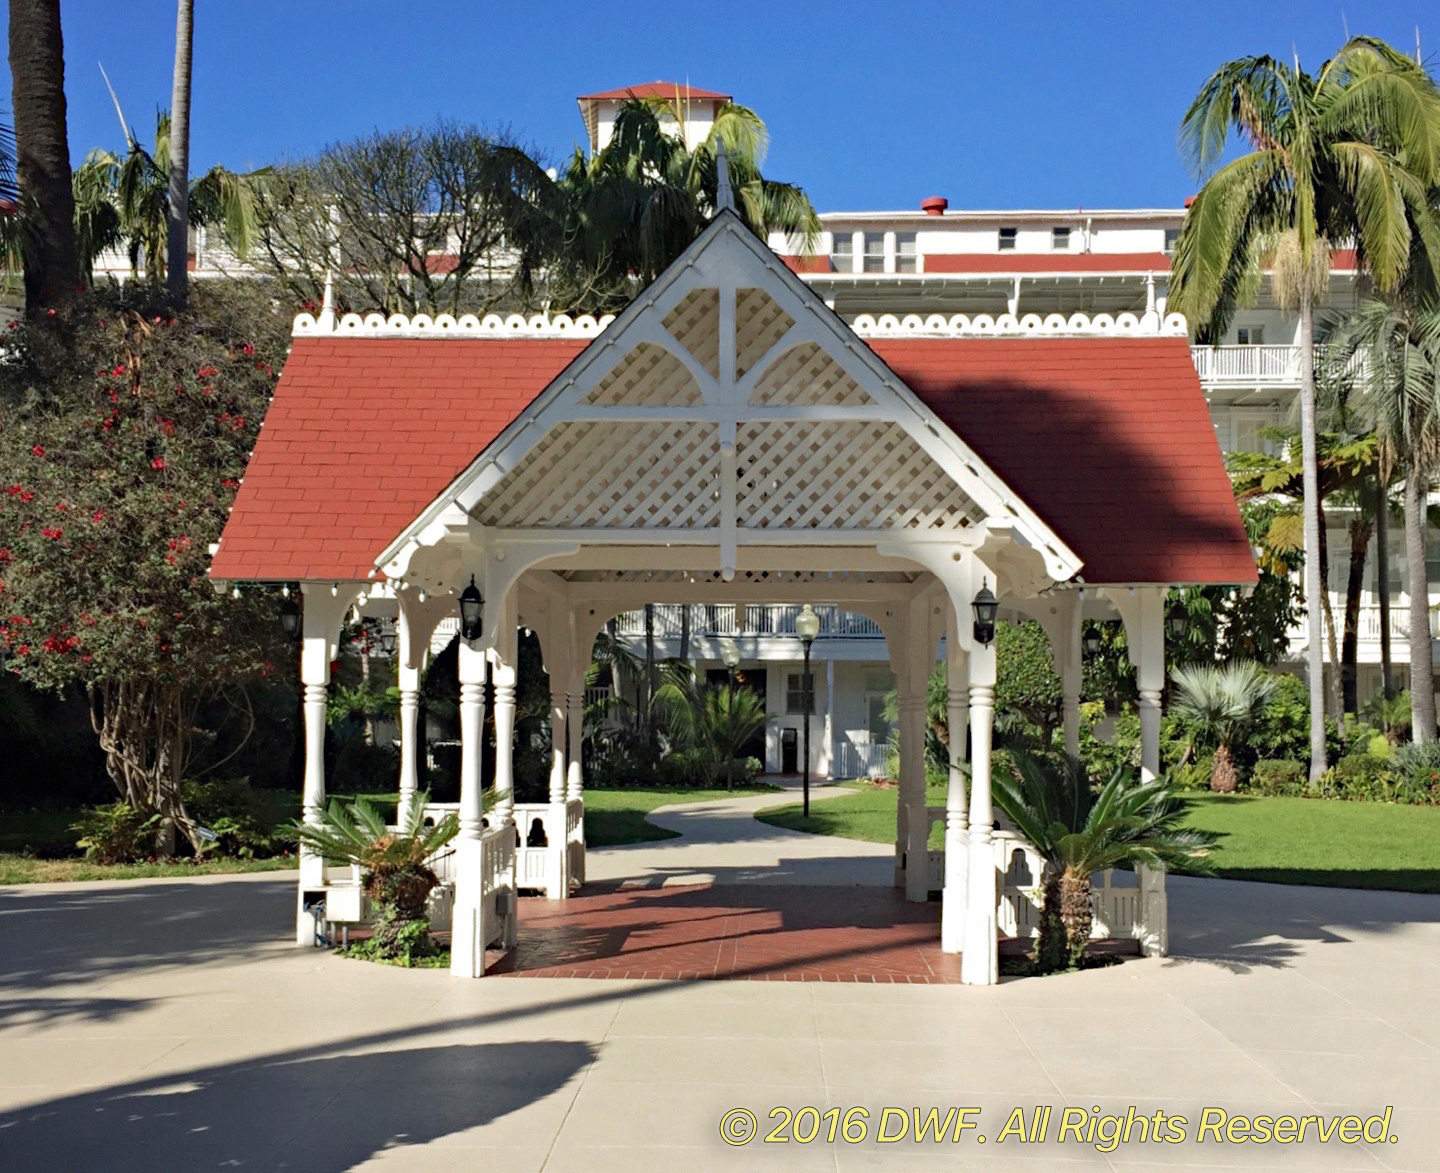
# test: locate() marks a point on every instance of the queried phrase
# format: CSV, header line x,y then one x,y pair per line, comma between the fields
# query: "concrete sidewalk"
x,y
721,842
169,1026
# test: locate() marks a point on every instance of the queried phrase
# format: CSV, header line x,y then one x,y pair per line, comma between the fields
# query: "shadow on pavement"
x,y
84,933
318,1114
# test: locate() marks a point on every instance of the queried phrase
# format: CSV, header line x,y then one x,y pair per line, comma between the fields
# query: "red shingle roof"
x,y
362,435
1107,439
656,89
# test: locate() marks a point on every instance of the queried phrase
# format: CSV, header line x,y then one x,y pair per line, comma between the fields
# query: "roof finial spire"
x,y
327,304
724,196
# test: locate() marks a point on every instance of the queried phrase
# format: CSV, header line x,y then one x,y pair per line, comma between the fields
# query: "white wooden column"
x,y
953,903
1069,664
559,715
1143,610
979,963
574,734
504,657
467,946
324,609
828,738
411,663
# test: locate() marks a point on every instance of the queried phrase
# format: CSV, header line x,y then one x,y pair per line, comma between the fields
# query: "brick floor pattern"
x,y
704,932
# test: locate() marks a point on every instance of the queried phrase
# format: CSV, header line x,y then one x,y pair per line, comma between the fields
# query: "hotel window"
x,y
874,252
905,254
1250,335
842,252
795,692
1171,236
1007,239
1060,239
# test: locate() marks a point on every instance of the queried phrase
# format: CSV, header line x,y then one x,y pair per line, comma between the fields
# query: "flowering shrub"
x,y
124,433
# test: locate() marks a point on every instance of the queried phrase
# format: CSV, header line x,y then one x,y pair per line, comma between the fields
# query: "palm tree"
x,y
712,722
125,200
1220,703
1350,153
37,72
1078,833
397,865
179,187
1347,467
1397,389
631,208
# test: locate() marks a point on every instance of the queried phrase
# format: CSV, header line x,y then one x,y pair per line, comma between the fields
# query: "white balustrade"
x,y
549,838
1247,364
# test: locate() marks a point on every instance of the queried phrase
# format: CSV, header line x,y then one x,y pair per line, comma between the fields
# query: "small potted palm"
x,y
1078,832
396,869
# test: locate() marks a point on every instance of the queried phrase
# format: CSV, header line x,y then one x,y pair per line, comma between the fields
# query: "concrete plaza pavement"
x,y
168,1025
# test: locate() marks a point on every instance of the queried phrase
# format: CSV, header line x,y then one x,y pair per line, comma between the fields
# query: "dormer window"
x,y
905,253
874,252
1007,239
1060,239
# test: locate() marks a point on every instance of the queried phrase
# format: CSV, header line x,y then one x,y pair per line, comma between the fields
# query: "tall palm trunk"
x,y
1382,561
42,153
1333,703
1422,679
178,246
1310,479
1362,526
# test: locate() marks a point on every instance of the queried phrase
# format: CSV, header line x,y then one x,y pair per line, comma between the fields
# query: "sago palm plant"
x,y
1220,704
395,865
713,722
1078,833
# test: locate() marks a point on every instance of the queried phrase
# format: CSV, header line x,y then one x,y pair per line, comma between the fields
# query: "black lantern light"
x,y
1091,640
472,611
986,607
387,639
1177,621
290,617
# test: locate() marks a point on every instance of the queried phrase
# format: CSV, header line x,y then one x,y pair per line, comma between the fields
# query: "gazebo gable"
x,y
728,400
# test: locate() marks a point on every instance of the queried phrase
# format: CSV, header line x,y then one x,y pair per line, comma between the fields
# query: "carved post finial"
x,y
724,195
326,320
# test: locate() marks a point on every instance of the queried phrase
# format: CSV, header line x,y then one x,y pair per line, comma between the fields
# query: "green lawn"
x,y
615,817
1314,841
1279,840
868,814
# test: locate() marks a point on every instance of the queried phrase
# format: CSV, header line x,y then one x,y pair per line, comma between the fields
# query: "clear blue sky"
x,y
870,105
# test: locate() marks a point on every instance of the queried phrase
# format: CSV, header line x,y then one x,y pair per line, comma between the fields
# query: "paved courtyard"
x,y
168,1025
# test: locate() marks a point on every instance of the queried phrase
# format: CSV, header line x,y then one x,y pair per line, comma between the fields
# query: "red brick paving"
x,y
759,933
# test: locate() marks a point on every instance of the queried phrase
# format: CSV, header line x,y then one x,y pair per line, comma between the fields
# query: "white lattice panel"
x,y
745,576
843,475
651,475
649,376
805,375
695,324
759,324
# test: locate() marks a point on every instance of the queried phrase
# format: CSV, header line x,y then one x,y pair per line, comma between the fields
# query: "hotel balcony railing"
x,y
1247,365
1251,366
753,619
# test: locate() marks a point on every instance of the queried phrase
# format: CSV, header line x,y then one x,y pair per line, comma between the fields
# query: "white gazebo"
x,y
728,439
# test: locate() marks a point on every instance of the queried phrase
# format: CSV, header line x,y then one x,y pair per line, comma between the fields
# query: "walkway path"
x,y
721,842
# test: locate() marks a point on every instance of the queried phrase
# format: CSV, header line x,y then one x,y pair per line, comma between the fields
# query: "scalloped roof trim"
x,y
448,326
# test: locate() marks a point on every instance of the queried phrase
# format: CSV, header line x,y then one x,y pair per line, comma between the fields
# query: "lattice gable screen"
x,y
805,473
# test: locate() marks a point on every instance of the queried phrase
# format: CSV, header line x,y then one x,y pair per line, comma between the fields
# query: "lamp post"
x,y
730,655
807,627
